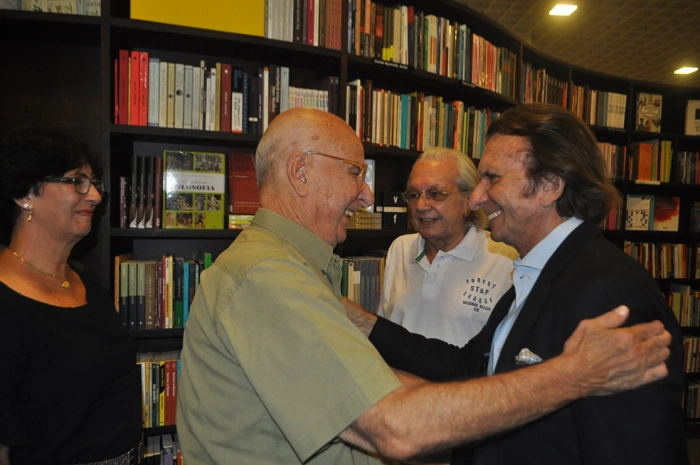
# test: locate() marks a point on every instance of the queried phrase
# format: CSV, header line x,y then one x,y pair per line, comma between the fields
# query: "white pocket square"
x,y
527,357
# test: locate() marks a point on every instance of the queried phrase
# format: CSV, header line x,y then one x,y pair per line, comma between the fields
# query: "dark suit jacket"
x,y
585,277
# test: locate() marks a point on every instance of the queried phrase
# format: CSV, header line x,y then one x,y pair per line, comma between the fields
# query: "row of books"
x,y
615,157
663,261
650,160
685,304
540,87
415,121
691,360
163,449
160,372
598,107
156,294
362,280
691,400
365,220
71,7
408,37
687,171
317,23
615,219
219,97
186,189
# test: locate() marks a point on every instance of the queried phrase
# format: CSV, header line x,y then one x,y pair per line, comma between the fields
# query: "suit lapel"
x,y
541,291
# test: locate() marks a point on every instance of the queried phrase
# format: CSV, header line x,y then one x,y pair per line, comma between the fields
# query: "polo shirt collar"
x,y
465,250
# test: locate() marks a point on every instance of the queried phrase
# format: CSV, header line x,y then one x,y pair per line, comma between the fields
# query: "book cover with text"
x,y
666,213
193,189
648,112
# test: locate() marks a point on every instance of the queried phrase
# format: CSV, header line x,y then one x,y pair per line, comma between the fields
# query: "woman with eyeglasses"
x,y
69,388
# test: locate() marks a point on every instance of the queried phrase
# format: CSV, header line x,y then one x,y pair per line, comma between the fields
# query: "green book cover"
x,y
193,189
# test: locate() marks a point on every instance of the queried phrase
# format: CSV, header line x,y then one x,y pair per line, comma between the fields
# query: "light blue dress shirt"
x,y
527,270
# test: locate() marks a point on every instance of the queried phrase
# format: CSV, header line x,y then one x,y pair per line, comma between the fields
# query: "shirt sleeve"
x,y
432,359
313,370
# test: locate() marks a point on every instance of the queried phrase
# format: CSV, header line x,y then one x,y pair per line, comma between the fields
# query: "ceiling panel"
x,y
643,40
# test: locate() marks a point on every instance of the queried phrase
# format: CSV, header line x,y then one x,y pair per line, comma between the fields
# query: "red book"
x,y
143,91
116,91
310,22
226,97
243,187
124,86
135,89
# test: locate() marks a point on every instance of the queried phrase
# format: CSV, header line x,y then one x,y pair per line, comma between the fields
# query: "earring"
x,y
30,208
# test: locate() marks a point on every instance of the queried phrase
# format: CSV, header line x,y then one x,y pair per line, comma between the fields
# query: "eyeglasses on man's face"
x,y
81,183
411,196
360,166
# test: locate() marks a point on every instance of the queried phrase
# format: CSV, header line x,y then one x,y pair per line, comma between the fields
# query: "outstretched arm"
x,y
598,359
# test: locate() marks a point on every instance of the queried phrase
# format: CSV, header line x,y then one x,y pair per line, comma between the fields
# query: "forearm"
x,y
413,421
596,360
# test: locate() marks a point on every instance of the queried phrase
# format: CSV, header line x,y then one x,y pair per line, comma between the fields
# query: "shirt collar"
x,y
317,251
541,253
465,250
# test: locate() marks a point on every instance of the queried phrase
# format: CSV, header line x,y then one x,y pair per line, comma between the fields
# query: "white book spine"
x,y
202,94
162,94
153,91
236,112
170,118
211,101
284,88
187,118
179,94
196,96
207,103
93,7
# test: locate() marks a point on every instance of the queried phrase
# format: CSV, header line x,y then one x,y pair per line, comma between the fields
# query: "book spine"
x,y
246,103
158,192
143,88
133,193
124,78
170,109
134,88
187,110
179,110
162,94
225,97
153,91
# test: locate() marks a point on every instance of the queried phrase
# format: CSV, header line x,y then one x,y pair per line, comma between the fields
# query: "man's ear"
x,y
552,189
297,174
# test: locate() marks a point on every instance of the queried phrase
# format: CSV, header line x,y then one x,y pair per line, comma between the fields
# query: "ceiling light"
x,y
685,70
563,10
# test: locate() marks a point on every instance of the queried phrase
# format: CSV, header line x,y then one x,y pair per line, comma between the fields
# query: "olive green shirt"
x,y
272,369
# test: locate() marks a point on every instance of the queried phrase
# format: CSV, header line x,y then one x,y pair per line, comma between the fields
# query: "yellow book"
x,y
237,16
